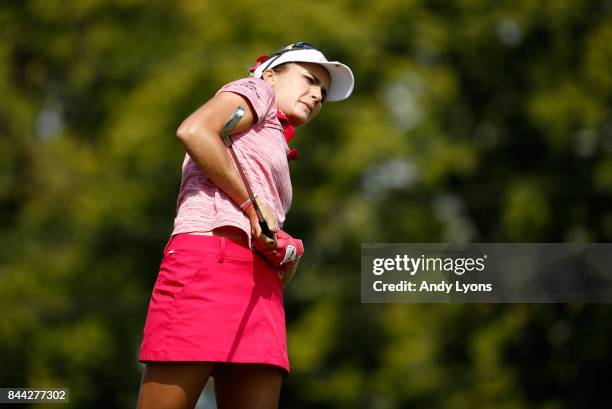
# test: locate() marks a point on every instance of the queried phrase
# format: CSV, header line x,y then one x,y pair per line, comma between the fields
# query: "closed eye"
x,y
313,80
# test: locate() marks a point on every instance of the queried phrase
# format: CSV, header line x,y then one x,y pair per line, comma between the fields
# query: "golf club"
x,y
231,123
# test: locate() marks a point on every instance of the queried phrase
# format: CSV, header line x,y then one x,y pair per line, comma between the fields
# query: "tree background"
x,y
471,121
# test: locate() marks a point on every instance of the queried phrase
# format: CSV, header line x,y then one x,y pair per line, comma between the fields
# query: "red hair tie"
x,y
259,60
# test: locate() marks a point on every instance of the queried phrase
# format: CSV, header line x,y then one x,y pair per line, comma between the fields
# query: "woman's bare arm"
x,y
200,134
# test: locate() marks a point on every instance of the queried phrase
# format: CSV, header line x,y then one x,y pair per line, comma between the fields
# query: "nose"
x,y
316,94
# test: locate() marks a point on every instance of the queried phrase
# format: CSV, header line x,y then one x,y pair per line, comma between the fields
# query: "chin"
x,y
297,120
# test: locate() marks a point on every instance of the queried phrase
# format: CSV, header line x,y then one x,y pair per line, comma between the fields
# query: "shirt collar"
x,y
288,131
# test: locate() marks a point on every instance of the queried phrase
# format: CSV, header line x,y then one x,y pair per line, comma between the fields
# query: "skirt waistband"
x,y
208,244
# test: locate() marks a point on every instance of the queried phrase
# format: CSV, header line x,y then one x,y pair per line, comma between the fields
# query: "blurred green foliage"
x,y
471,121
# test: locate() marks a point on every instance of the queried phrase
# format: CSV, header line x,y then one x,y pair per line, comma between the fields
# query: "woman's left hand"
x,y
286,249
287,271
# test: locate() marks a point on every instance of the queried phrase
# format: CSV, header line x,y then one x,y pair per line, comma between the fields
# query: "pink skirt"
x,y
215,301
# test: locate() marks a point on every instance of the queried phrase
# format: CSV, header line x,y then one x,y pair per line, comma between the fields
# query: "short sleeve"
x,y
258,92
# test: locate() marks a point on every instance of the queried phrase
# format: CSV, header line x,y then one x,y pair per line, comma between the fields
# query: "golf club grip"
x,y
264,228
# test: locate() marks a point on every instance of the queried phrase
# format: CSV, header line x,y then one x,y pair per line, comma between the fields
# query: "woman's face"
x,y
300,90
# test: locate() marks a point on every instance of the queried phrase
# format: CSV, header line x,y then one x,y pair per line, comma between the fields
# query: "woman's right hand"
x,y
262,243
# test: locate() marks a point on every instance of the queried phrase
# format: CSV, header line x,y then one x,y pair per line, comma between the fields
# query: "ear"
x,y
268,76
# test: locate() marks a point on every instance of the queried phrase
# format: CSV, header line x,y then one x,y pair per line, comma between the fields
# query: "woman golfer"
x,y
217,305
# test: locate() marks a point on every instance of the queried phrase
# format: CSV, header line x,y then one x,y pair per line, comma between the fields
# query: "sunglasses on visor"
x,y
269,59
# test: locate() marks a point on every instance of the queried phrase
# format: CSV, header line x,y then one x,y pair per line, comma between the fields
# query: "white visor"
x,y
342,80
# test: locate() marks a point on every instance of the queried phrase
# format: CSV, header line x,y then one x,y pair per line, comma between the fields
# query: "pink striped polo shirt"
x,y
262,151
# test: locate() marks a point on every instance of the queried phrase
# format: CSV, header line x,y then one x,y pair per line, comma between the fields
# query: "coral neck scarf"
x,y
288,131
